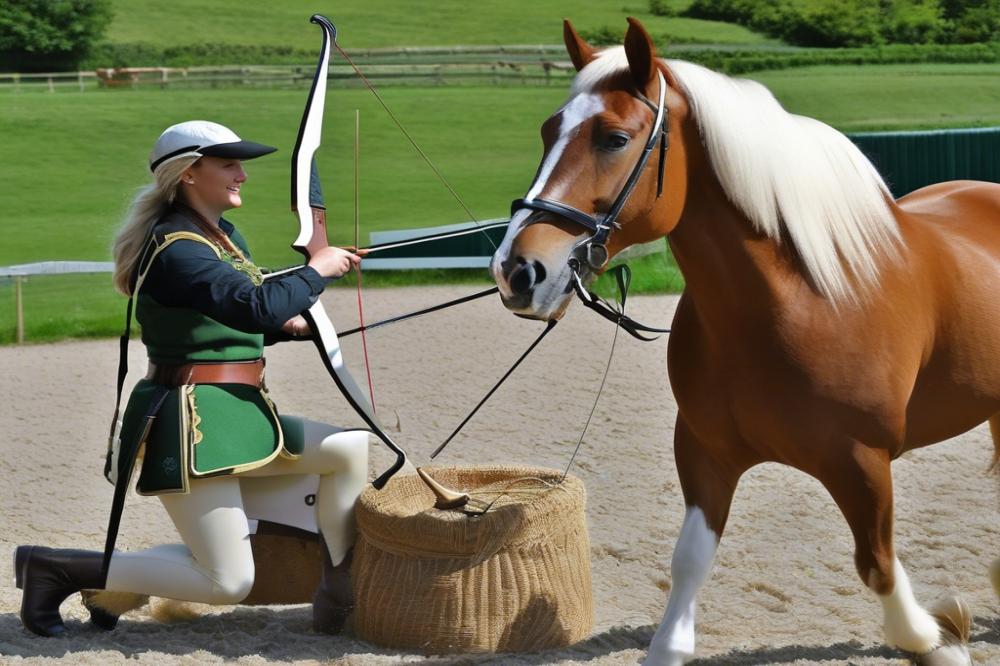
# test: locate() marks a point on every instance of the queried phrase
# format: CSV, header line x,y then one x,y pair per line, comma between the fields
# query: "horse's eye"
x,y
615,141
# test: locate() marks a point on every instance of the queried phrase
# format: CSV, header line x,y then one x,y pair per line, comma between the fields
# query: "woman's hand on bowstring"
x,y
333,262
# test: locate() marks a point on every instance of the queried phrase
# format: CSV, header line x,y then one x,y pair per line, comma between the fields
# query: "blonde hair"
x,y
148,206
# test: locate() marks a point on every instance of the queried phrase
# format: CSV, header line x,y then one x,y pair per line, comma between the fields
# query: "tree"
x,y
978,21
49,35
913,21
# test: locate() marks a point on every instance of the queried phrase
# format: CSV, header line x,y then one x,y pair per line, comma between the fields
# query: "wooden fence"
x,y
469,251
505,65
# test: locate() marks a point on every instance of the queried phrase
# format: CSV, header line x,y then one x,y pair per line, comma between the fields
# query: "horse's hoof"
x,y
671,661
947,655
659,658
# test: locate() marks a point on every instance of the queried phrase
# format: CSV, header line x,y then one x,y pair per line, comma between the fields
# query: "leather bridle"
x,y
600,225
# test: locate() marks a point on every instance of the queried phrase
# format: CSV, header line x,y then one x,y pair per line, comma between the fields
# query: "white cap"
x,y
201,137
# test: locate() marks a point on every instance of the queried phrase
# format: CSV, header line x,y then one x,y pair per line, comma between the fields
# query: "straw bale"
x,y
516,578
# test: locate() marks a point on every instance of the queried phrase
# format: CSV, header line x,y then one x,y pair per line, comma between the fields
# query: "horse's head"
x,y
597,189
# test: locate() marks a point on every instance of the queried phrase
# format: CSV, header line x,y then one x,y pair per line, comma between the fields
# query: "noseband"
x,y
601,224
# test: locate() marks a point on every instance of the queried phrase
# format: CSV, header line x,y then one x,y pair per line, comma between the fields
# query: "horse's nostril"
x,y
539,272
522,278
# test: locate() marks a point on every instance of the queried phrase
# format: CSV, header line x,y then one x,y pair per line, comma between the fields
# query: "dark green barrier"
x,y
911,160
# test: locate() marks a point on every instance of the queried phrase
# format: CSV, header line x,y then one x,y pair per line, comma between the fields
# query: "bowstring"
x,y
437,172
357,226
357,244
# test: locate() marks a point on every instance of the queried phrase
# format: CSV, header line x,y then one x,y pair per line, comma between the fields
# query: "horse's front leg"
x,y
708,483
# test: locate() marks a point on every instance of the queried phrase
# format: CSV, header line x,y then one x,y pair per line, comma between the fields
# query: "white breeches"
x,y
215,563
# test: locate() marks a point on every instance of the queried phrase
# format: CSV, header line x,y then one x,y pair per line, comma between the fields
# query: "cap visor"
x,y
241,150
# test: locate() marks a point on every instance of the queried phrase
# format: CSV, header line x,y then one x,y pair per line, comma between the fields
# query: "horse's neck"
x,y
731,271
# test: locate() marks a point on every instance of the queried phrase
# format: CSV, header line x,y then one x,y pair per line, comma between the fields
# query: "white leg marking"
x,y
694,554
907,625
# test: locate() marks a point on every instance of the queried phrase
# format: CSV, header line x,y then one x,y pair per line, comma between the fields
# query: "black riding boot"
x,y
333,600
48,576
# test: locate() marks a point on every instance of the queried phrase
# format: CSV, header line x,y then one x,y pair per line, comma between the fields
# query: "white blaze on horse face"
x,y
574,113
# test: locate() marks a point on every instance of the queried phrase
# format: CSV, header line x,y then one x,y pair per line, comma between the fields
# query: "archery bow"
x,y
313,236
308,204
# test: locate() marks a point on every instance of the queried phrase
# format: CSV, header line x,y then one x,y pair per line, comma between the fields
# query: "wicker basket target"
x,y
516,578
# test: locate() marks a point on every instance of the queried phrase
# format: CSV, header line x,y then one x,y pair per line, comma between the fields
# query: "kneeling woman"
x,y
201,417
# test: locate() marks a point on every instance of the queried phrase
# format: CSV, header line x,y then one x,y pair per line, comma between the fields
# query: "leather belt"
x,y
250,373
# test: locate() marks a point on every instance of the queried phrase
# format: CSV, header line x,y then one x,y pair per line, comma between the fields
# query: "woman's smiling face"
x,y
214,183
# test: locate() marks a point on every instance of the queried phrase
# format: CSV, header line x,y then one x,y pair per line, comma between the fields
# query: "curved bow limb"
x,y
310,208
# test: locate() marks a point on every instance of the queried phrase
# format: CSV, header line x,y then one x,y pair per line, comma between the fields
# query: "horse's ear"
x,y
580,52
641,54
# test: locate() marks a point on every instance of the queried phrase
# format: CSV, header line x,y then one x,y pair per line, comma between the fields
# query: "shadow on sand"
x,y
284,633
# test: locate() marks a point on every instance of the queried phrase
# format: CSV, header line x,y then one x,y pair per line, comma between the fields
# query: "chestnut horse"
x,y
823,325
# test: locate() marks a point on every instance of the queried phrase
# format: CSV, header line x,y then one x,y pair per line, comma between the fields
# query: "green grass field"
x,y
891,97
76,157
72,193
391,23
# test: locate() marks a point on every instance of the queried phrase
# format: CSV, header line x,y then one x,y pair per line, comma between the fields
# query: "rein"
x,y
613,313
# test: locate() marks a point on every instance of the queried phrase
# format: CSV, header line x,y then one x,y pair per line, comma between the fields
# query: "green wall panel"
x,y
911,160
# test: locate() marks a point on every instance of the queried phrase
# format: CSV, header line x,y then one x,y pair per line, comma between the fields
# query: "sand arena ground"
x,y
783,591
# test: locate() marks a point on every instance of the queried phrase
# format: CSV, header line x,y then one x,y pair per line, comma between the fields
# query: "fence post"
x,y
19,305
52,87
79,78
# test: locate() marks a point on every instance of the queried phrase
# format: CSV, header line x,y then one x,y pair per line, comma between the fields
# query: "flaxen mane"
x,y
790,175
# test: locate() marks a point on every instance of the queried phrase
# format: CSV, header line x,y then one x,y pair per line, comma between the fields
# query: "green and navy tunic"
x,y
197,302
